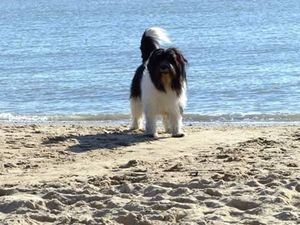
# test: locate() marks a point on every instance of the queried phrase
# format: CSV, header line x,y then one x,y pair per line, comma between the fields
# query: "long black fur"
x,y
152,55
168,57
148,45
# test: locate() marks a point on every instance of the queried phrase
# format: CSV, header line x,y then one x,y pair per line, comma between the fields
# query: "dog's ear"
x,y
180,59
153,69
153,58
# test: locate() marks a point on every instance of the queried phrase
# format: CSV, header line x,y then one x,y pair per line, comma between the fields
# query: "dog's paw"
x,y
136,125
168,131
178,135
149,135
135,128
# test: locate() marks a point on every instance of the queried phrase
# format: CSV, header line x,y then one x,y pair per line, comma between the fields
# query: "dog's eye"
x,y
171,58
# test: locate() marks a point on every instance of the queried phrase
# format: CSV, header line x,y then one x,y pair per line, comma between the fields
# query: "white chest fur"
x,y
158,102
153,103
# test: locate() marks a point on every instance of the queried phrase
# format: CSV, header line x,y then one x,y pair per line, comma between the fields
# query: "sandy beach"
x,y
90,174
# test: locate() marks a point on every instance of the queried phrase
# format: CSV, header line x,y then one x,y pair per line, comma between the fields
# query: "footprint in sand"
x,y
242,204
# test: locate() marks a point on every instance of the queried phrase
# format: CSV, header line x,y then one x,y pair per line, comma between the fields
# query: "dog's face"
x,y
167,69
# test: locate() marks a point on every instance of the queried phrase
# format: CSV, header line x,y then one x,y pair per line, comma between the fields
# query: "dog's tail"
x,y
152,38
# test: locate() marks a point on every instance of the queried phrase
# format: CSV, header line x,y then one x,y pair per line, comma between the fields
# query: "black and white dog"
x,y
159,85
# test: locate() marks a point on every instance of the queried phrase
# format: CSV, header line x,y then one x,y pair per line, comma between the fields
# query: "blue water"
x,y
75,59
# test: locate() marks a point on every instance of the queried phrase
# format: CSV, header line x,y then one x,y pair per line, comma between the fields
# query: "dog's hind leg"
x,y
136,113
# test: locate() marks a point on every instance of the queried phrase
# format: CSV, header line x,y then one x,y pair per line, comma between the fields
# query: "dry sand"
x,y
82,174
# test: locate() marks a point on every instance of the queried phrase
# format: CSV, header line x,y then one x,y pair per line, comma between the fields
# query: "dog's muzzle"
x,y
165,68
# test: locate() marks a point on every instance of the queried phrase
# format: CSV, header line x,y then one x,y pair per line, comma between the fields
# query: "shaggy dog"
x,y
159,85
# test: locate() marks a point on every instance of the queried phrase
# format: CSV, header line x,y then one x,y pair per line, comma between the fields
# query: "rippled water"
x,y
75,59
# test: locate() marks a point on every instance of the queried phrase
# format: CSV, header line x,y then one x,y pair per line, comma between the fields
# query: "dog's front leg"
x,y
176,124
150,124
166,122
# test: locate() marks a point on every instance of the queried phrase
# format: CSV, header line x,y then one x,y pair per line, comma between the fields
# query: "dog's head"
x,y
167,69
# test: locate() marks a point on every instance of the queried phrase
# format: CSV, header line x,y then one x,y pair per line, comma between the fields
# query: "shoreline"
x,y
216,174
120,118
186,123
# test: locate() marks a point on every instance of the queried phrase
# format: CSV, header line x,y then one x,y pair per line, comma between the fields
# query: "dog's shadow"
x,y
113,140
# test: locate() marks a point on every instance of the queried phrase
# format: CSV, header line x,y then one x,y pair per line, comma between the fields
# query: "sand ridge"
x,y
88,174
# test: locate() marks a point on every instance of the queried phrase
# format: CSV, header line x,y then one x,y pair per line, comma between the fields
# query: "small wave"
x,y
88,117
22,118
192,117
241,117
61,118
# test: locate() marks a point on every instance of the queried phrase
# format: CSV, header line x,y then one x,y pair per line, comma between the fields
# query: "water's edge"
x,y
125,118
